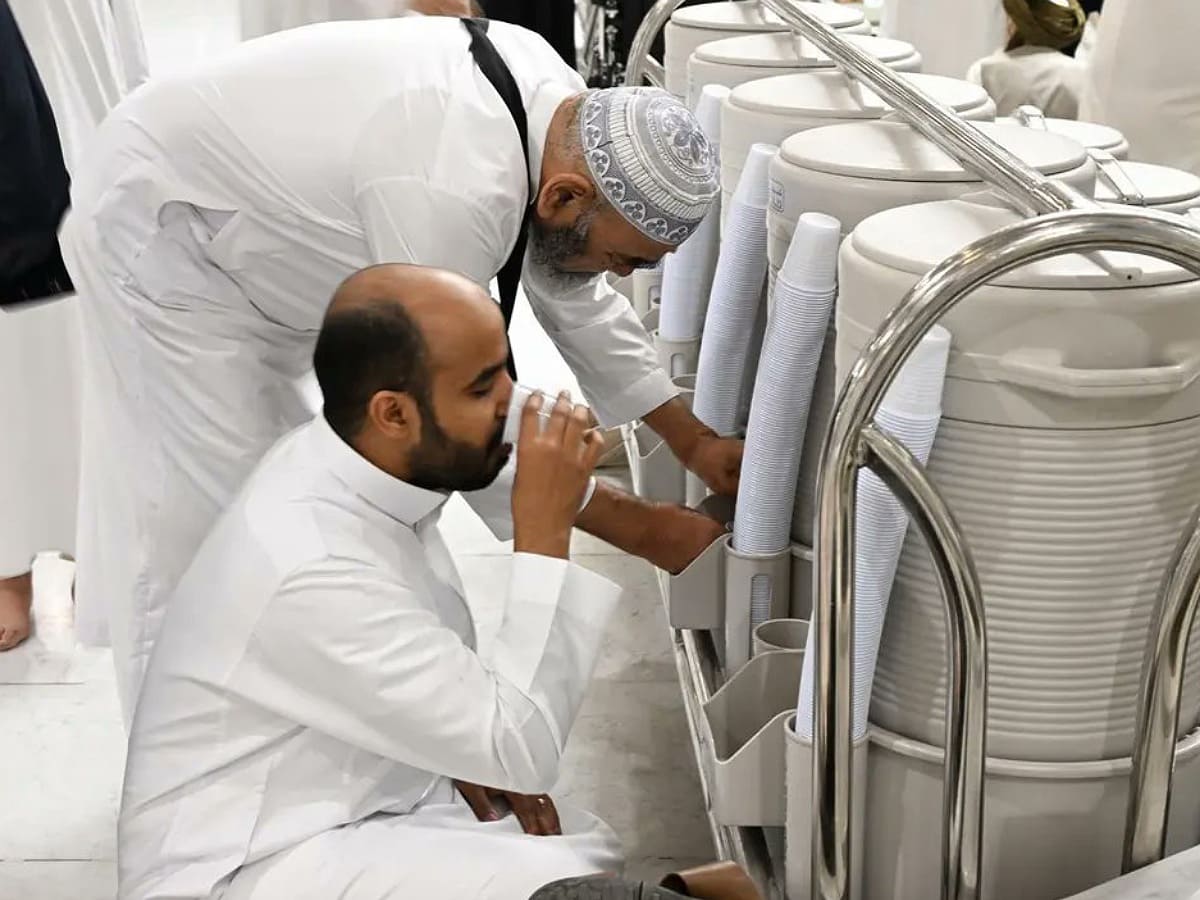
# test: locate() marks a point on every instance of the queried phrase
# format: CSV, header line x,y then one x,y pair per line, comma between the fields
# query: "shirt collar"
x,y
398,499
546,100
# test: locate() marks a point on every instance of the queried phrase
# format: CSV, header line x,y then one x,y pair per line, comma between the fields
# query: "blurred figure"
x,y
1144,79
951,34
261,17
1032,67
63,66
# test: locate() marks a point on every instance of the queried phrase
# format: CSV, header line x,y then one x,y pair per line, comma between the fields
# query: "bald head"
x,y
393,328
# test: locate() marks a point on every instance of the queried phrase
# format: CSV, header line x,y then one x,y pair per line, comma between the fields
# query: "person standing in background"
x,y
1032,67
951,34
1144,79
63,66
260,17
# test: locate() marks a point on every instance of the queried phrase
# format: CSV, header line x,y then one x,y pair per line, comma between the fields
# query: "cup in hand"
x,y
520,396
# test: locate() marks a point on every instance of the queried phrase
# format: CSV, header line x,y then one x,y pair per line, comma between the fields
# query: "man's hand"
x,y
679,536
535,812
718,462
664,534
553,467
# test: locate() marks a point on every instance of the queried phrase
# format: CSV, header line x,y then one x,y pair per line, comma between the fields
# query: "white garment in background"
x,y
79,51
73,47
39,430
1144,79
130,42
1045,78
261,17
950,34
213,225
317,669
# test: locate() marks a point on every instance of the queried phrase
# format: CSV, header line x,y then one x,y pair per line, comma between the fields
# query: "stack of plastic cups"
x,y
688,272
736,299
804,296
910,413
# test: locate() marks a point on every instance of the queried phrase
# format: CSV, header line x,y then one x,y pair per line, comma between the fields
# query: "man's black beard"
x,y
550,248
440,463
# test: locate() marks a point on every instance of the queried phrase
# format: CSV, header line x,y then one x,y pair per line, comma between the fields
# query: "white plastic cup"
x,y
516,406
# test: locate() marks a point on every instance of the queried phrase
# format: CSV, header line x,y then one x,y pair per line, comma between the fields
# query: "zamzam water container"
x,y
769,110
1145,184
1089,134
735,61
852,171
692,26
1069,451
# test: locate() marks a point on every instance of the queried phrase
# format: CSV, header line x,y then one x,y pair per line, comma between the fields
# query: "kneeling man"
x,y
318,686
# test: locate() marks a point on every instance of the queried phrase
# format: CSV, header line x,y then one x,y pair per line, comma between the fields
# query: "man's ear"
x,y
395,415
563,198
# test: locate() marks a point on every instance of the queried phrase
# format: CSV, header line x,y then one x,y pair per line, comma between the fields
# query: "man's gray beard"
x,y
550,248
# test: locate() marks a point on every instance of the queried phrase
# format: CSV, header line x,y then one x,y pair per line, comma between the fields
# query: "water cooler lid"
x,y
778,49
1159,185
1089,134
749,15
894,151
916,238
828,94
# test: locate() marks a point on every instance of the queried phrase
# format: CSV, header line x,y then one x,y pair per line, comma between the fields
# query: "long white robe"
x,y
211,228
950,34
261,17
74,46
319,679
1045,78
1144,79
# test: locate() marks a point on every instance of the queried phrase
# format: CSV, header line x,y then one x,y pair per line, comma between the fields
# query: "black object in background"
x,y
552,19
1089,7
34,185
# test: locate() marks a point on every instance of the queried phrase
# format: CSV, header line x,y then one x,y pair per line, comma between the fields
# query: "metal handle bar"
x,y
846,449
1029,190
852,442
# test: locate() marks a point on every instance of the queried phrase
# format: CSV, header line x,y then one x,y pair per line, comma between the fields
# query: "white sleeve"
x,y
390,678
604,343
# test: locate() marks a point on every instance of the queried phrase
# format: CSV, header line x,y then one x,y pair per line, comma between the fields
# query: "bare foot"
x,y
16,597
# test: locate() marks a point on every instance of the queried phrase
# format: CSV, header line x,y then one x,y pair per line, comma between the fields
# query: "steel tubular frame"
x,y
1066,222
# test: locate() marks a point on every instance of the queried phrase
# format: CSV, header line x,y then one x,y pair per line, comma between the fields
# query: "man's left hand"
x,y
718,462
536,812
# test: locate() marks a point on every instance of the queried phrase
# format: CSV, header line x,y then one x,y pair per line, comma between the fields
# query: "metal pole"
x,y
639,62
1154,234
966,651
1158,707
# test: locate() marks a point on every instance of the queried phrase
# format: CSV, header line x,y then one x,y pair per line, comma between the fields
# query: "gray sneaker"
x,y
603,887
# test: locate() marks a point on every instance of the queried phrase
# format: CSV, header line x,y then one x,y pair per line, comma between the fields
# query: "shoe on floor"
x,y
603,887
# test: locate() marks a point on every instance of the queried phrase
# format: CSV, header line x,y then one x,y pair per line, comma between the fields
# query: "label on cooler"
x,y
777,195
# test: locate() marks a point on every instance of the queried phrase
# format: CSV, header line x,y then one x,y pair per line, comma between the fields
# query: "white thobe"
x,y
74,47
950,34
88,54
261,17
211,228
1144,79
316,685
1045,78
